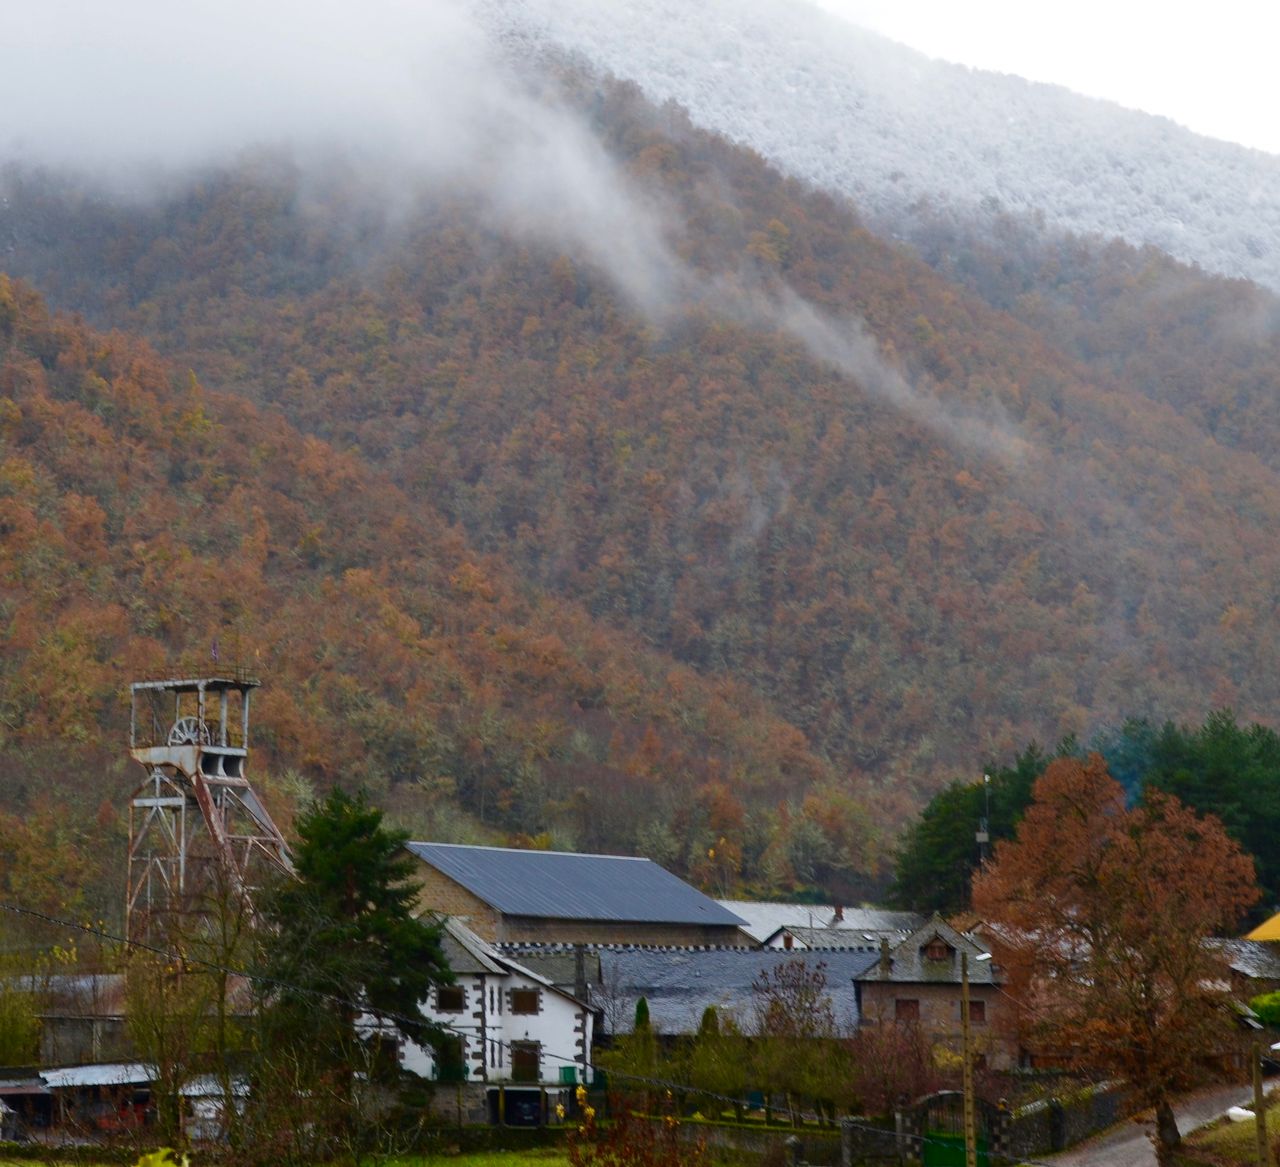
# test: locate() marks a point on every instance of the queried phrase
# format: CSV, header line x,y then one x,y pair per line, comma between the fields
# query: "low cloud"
x,y
411,91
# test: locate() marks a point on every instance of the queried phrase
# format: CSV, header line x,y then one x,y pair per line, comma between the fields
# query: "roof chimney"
x,y
886,961
787,941
838,918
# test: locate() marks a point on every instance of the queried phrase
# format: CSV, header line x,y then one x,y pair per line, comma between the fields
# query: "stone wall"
x,y
1040,1128
939,1015
1055,1123
72,1041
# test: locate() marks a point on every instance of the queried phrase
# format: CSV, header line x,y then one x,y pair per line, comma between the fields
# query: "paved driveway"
x,y
1127,1144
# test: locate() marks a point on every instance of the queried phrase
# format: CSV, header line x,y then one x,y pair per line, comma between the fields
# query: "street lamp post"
x,y
983,833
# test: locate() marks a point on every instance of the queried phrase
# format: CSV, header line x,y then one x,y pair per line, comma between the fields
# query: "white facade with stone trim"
x,y
512,1026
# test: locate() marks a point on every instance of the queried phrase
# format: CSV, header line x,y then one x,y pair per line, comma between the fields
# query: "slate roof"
x,y
680,983
909,965
469,954
764,918
833,938
564,886
465,952
1256,959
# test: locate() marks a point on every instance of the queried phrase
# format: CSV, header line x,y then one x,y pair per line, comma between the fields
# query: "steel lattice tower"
x,y
197,832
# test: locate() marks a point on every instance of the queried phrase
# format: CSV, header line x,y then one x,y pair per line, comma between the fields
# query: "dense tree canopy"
x,y
1218,767
143,517
907,597
535,567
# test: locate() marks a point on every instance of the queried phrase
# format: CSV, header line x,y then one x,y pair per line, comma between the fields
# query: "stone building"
x,y
918,981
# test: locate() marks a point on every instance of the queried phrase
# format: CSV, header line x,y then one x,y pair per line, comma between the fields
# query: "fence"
x,y
1038,1128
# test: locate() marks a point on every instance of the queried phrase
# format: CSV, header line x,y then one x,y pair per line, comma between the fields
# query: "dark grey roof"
x,y
764,917
908,964
469,954
680,983
1257,959
466,952
835,938
558,965
564,886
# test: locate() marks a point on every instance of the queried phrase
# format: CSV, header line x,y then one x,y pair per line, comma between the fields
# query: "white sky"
x,y
1211,67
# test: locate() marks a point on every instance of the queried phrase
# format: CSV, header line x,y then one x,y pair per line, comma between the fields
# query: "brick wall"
x,y
537,930
443,895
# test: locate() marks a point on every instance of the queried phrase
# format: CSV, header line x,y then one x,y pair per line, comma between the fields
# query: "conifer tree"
x,y
346,947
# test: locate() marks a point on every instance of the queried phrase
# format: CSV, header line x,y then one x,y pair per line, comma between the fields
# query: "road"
x,y
1127,1144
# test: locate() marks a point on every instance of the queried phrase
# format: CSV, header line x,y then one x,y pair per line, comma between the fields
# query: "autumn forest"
x,y
533,563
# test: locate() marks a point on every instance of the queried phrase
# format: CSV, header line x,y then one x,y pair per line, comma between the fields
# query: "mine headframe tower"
x,y
199,838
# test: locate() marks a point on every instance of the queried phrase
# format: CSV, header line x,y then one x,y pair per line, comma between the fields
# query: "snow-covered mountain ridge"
x,y
858,114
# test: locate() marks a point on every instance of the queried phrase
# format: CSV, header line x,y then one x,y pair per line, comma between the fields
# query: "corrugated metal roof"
x,y
561,885
679,984
109,1074
210,1086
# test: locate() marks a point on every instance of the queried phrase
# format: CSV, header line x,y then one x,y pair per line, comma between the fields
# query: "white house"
x,y
508,1024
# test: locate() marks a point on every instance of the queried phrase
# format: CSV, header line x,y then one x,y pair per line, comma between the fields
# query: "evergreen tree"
x,y
940,852
345,946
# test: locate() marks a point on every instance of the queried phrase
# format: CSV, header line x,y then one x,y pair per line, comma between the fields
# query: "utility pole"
x,y
970,1134
1259,1107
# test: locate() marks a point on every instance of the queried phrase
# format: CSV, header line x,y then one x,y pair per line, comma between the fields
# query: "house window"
x,y
524,1000
451,1062
977,1012
384,1055
906,1009
525,1059
936,949
451,999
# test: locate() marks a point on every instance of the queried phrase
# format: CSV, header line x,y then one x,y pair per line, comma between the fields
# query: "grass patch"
x,y
1225,1143
546,1156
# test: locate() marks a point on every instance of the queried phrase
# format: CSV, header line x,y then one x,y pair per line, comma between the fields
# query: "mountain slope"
x,y
924,550
854,113
143,517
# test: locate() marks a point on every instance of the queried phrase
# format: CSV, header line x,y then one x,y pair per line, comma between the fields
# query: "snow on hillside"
x,y
853,112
